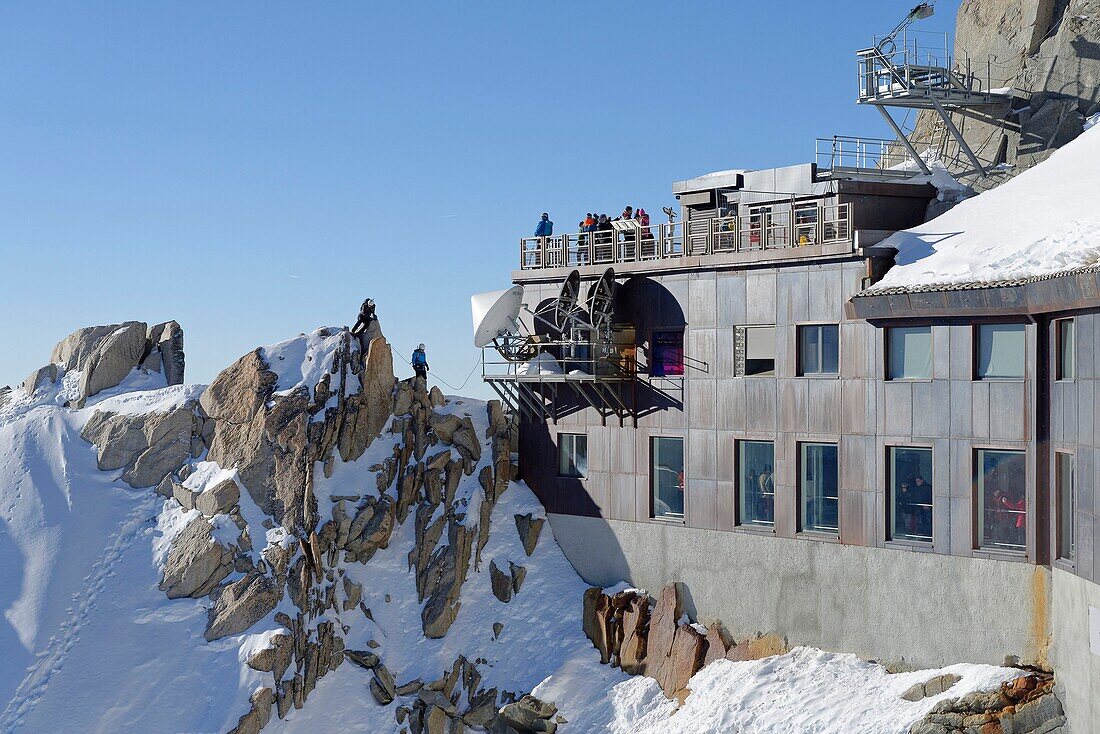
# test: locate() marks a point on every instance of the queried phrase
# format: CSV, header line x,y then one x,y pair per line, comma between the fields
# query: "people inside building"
x,y
420,362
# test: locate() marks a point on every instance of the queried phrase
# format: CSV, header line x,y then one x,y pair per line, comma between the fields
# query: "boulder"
x,y
529,528
759,647
74,350
363,658
196,562
184,495
382,685
276,658
435,396
258,716
166,342
929,688
501,582
718,643
5,395
662,634
42,376
238,393
528,714
220,498
240,605
445,426
148,447
114,357
498,421
633,649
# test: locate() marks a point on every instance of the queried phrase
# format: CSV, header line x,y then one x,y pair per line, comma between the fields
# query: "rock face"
x,y
276,441
196,562
105,355
147,446
242,604
1026,705
1048,53
651,639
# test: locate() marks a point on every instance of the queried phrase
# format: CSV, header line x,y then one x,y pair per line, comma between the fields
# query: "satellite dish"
x,y
566,305
495,314
601,300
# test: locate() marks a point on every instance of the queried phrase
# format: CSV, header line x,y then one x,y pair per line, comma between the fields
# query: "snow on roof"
x,y
1043,223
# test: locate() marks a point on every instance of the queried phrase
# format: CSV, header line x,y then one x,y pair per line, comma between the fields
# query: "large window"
x,y
668,354
1063,475
1000,352
909,353
819,487
572,455
910,494
1002,500
757,353
756,483
667,477
818,349
1067,352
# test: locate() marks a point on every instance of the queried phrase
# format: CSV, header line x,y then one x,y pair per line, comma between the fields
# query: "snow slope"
x,y
89,643
1044,222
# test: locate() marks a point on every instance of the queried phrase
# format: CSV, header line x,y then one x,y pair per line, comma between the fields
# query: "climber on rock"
x,y
366,327
420,362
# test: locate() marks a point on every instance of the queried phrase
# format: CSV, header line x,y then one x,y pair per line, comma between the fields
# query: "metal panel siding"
x,y
760,297
725,505
898,408
760,405
1007,411
703,302
701,454
701,504
824,293
979,409
932,408
732,300
823,405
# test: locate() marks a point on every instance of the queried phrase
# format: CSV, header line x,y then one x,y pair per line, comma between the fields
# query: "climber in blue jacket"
x,y
545,227
420,362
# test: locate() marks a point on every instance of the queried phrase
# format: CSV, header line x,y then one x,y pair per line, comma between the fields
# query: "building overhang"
x,y
1061,293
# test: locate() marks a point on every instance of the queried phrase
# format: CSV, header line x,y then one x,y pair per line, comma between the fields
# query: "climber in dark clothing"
x,y
420,362
366,317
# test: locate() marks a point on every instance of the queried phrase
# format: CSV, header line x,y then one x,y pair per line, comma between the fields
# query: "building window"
x,y
572,455
1000,352
1063,475
819,486
805,224
818,349
667,477
1002,500
910,493
909,353
754,348
1067,349
756,485
668,354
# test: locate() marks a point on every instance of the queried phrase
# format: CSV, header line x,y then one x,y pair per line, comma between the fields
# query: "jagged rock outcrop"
x,y
1048,53
241,604
105,355
5,395
197,562
147,446
644,638
267,442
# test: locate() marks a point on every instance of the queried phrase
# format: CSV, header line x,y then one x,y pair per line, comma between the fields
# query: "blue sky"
x,y
254,170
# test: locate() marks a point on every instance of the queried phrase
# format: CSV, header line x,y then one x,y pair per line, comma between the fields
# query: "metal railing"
x,y
555,360
789,225
909,66
846,153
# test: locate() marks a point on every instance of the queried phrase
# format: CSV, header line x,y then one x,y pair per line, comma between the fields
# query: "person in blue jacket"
x,y
420,362
545,227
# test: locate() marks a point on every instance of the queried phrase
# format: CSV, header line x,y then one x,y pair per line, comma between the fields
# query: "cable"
x,y
440,379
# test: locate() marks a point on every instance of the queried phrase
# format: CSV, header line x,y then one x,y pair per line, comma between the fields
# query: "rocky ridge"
x,y
238,468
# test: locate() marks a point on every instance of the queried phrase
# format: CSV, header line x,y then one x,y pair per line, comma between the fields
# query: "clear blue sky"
x,y
254,170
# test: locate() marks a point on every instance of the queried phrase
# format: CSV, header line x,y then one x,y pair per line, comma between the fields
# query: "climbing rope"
x,y
440,379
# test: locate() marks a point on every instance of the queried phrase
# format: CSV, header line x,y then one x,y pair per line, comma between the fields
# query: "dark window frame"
x,y
739,478
1059,350
888,333
1060,551
670,516
975,351
800,355
891,496
801,492
580,474
978,503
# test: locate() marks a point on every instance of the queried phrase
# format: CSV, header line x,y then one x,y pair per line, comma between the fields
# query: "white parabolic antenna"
x,y
495,314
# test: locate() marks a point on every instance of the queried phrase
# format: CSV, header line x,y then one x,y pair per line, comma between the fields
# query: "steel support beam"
x,y
904,141
958,137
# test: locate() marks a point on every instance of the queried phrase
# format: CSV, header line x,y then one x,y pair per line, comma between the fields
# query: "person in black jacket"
x,y
366,317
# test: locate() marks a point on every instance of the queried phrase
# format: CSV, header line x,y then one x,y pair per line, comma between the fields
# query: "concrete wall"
x,y
906,609
1076,658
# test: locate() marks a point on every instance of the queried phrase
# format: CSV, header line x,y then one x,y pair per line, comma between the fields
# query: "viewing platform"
x,y
793,230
